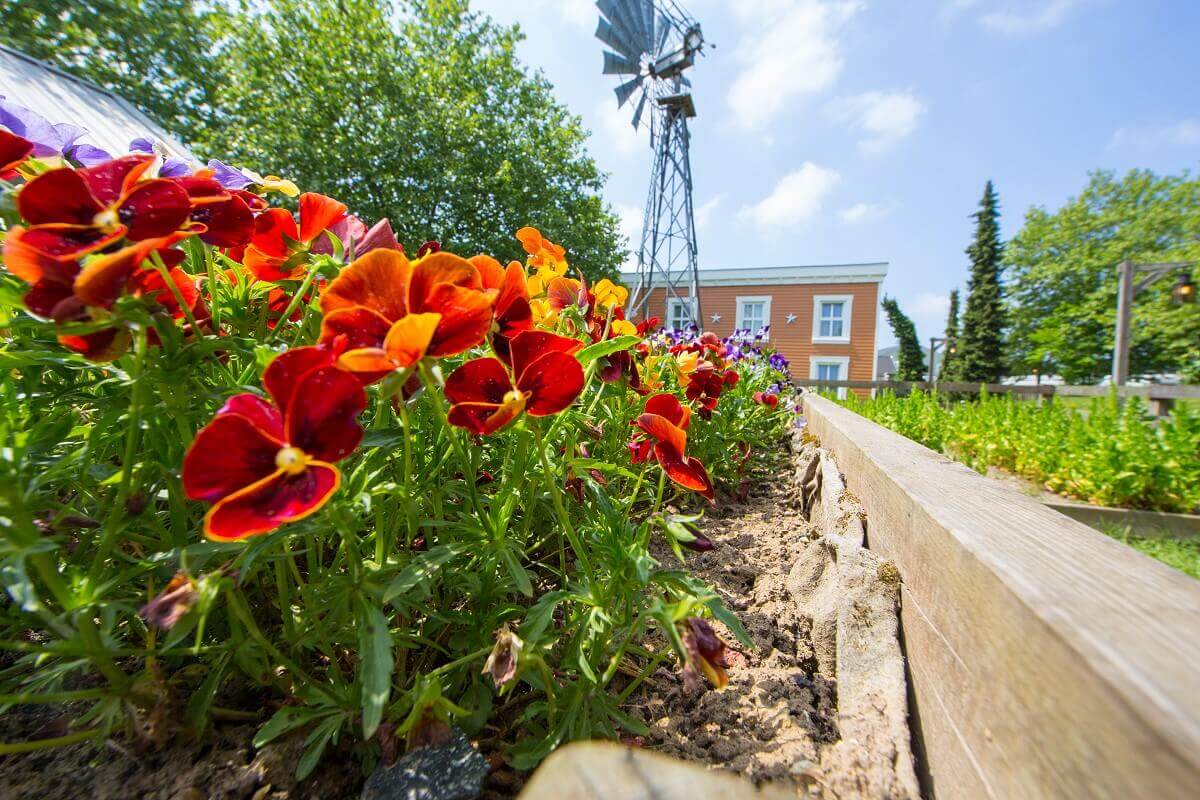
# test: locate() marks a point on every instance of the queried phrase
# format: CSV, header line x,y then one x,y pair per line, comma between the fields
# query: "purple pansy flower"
x,y
229,177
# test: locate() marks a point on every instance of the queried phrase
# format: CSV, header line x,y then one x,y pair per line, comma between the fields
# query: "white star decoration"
x,y
791,318
716,317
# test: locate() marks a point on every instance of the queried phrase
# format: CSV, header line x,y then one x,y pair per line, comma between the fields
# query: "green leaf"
x,y
519,575
315,746
422,568
539,615
375,663
196,716
284,720
606,348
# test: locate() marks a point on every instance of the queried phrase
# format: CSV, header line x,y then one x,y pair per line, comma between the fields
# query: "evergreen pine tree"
x,y
910,361
981,343
950,361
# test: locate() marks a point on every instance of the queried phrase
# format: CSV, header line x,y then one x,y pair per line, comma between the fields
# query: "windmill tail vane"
x,y
651,46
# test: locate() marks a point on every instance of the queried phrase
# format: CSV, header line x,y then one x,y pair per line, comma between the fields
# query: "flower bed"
x,y
268,466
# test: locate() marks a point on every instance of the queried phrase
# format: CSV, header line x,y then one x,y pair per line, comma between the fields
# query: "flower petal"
x,y
318,212
663,431
491,274
108,181
265,416
668,406
527,346
483,419
228,223
13,150
101,346
439,268
355,328
228,454
57,241
322,417
566,292
409,339
687,472
466,317
60,195
552,383
480,380
275,500
378,280
283,375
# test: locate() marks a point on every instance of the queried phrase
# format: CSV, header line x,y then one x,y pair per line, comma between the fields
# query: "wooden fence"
x,y
1161,396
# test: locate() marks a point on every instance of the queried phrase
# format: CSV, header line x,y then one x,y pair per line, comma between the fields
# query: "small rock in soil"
x,y
452,771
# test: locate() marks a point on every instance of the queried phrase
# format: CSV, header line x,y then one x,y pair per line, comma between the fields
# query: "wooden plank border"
x,y
1046,659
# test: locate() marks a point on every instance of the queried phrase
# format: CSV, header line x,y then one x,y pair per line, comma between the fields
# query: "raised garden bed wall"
x,y
1045,659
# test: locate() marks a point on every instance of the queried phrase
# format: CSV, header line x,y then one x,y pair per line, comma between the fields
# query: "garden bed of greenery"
x,y
275,468
1111,453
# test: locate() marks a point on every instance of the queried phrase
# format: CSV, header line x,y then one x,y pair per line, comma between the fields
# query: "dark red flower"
x,y
263,464
279,248
13,150
226,218
769,400
548,378
664,422
705,652
512,311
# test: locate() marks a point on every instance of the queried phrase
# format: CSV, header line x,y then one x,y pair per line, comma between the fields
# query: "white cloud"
x,y
580,13
863,212
797,198
1185,133
797,54
616,127
1036,16
705,212
883,117
928,312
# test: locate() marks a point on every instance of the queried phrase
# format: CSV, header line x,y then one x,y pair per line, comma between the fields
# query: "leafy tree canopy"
x,y
419,112
1061,275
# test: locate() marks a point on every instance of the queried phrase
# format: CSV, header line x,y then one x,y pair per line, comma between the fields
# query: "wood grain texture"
x,y
608,771
1047,660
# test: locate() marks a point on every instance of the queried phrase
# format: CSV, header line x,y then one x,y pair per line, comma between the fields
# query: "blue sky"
x,y
835,131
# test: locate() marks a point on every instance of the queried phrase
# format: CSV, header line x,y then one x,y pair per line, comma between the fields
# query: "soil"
x,y
778,712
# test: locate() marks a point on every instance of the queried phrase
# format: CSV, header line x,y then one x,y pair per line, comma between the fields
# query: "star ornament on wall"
x,y
791,318
716,317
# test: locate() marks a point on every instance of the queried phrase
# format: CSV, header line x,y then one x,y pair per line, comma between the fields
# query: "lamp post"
x,y
936,342
1183,292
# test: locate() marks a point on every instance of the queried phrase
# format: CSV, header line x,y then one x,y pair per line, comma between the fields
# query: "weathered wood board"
x,y
1046,659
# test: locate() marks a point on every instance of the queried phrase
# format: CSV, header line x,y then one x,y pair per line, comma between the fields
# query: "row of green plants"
x,y
1111,453
261,464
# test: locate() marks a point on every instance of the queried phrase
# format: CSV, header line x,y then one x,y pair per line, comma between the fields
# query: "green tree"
x,y
1061,274
418,112
949,370
164,56
910,360
981,342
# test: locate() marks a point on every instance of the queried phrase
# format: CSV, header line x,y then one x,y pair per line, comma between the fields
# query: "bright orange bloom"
x,y
384,313
278,250
664,423
547,259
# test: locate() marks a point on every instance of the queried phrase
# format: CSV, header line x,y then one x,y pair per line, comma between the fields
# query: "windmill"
x,y
654,43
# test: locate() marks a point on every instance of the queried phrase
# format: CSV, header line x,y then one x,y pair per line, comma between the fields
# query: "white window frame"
x,y
765,299
842,362
675,302
847,301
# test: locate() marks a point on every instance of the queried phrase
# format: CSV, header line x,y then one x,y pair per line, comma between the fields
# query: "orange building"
x,y
822,318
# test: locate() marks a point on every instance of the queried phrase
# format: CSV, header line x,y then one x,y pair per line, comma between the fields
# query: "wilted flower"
x,y
505,657
706,652
175,600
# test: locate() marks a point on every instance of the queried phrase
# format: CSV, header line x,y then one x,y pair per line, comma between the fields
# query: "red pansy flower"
x,y
13,151
768,400
263,464
664,422
705,384
512,311
384,313
227,219
546,378
80,211
279,247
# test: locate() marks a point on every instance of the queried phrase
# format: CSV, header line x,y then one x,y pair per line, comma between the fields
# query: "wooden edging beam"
x,y
1046,659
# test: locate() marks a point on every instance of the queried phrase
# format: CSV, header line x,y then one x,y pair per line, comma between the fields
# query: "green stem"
x,y
132,435
161,267
297,298
10,748
560,509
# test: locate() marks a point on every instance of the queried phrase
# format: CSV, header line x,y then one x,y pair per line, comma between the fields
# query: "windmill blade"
x,y
619,65
664,30
648,15
626,90
630,16
637,115
617,39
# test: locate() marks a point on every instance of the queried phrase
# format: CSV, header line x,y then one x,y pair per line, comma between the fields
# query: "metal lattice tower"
x,y
655,42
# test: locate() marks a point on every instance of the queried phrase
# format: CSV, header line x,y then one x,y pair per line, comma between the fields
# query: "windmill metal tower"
x,y
655,42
